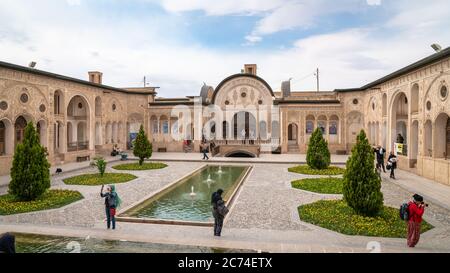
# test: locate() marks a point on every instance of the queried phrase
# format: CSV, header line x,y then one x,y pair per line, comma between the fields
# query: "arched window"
x,y
309,124
164,125
263,130
322,124
225,130
333,125
154,124
2,138
19,126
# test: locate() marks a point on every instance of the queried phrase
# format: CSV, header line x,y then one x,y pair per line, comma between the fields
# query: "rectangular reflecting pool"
x,y
189,199
30,243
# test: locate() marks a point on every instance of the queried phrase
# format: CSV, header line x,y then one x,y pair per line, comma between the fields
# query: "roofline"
x,y
405,70
213,100
307,101
66,78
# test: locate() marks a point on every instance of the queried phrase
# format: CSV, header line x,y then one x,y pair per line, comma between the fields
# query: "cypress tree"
x,y
318,155
362,185
30,172
142,146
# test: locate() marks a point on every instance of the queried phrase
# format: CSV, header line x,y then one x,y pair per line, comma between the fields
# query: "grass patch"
x,y
305,169
51,199
137,167
328,185
96,179
337,216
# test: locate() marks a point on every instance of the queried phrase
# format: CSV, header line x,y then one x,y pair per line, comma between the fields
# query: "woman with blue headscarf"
x,y
112,202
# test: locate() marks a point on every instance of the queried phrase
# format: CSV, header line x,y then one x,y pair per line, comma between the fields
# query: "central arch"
x,y
244,125
240,153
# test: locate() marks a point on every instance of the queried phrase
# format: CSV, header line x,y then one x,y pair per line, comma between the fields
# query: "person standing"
x,y
112,202
416,208
392,161
204,148
216,198
380,157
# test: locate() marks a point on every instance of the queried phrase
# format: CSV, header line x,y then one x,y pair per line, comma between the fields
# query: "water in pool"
x,y
191,199
30,243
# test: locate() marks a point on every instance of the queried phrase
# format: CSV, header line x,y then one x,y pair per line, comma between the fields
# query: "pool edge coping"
x,y
172,185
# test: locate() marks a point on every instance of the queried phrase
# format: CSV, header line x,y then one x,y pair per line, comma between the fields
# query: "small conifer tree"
x,y
30,172
318,155
362,185
142,146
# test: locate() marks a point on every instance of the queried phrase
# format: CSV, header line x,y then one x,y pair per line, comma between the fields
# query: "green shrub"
x,y
142,146
100,163
336,215
137,167
362,185
30,172
328,185
96,179
318,155
51,199
303,169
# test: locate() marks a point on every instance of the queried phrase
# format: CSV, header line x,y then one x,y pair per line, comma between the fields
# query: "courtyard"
x,y
263,215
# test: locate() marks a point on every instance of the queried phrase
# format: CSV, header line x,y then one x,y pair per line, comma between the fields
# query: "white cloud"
x,y
73,41
373,2
214,7
251,39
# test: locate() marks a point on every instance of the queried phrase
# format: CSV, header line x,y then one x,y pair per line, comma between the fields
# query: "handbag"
x,y
112,212
221,208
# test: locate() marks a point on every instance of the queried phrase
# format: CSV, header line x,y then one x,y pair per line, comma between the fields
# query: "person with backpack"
x,y
112,202
219,211
416,209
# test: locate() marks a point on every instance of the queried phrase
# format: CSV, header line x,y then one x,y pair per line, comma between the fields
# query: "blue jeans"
x,y
110,219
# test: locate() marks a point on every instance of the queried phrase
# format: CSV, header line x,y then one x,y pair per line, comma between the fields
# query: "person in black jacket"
x,y
7,243
392,161
218,218
380,157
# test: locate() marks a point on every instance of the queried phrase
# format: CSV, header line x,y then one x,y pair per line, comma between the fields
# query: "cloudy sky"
x,y
179,44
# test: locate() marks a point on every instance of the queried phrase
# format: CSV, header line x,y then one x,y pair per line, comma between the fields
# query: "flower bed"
x,y
96,179
137,167
305,169
328,185
50,200
337,216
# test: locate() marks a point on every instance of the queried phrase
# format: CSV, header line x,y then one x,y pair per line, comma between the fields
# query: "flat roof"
x,y
66,78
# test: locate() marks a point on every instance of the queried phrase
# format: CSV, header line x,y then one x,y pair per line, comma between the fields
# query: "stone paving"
x,y
263,215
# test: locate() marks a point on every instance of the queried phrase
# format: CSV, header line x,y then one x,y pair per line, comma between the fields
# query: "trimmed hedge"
x,y
137,167
96,179
336,215
304,169
51,199
329,185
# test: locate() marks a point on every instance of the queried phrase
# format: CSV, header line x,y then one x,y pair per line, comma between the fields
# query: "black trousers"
x,y
218,223
381,165
392,172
